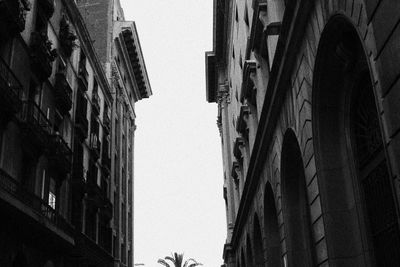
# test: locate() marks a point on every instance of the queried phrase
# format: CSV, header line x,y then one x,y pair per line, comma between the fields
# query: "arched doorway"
x,y
355,186
296,214
271,226
258,246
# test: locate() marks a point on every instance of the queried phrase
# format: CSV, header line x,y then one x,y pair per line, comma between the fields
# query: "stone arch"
x,y
257,243
271,228
296,214
349,153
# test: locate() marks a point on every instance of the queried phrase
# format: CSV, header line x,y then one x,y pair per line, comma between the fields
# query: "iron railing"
x,y
63,93
38,205
42,54
32,114
61,151
11,88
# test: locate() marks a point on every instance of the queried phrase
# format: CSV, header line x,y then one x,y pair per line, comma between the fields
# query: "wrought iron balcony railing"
x,y
42,55
78,180
61,153
38,205
35,123
12,16
10,90
81,121
63,93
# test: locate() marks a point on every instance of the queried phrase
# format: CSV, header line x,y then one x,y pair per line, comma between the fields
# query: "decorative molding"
x,y
224,94
240,143
257,28
249,68
235,172
241,124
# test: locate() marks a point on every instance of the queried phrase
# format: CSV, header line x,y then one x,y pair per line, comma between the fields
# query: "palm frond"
x,y
195,263
170,259
163,262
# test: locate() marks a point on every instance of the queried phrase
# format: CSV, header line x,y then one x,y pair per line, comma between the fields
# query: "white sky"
x,y
178,167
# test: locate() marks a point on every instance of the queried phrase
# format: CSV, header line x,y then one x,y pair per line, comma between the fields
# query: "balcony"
x,y
96,103
90,250
83,76
35,124
94,197
47,7
60,153
42,55
63,94
38,205
81,121
12,17
78,179
95,146
10,91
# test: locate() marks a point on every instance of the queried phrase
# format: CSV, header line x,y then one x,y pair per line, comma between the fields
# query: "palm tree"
x,y
177,260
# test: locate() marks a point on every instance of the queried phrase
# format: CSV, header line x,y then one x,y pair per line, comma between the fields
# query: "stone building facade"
x,y
118,46
57,137
307,95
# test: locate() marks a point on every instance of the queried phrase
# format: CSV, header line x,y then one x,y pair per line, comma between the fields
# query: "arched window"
x,y
271,226
354,181
296,214
258,246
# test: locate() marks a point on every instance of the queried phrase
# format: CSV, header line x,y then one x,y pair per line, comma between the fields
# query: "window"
x,y
52,194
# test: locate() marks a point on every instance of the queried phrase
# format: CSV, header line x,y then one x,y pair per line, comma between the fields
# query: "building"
x,y
307,95
57,148
117,44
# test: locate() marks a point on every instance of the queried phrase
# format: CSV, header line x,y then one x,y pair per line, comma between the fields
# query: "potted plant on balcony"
x,y
67,38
